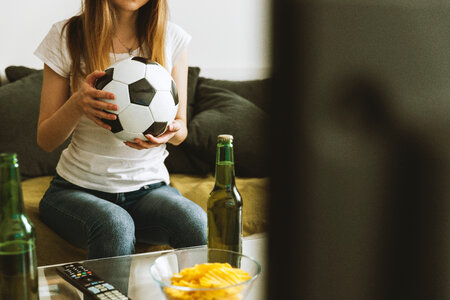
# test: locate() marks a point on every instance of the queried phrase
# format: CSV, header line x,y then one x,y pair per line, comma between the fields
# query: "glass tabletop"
x,y
131,274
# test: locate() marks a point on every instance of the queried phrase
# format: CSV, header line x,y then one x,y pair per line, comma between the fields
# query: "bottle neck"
x,y
224,165
11,203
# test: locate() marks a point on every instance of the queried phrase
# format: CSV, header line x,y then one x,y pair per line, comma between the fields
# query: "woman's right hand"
x,y
86,100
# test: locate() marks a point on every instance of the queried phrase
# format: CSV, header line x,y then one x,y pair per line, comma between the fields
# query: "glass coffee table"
x,y
131,274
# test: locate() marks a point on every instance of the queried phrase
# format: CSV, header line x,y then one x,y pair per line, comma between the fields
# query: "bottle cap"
x,y
224,138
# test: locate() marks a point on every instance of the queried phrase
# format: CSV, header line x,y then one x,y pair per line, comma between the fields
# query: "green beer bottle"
x,y
18,263
225,203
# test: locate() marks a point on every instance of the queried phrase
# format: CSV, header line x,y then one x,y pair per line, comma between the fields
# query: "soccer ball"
x,y
145,94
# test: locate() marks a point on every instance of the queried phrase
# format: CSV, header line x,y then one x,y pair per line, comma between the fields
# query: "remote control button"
x,y
108,286
94,290
115,295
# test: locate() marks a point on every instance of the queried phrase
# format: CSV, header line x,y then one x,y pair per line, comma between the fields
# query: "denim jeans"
x,y
109,224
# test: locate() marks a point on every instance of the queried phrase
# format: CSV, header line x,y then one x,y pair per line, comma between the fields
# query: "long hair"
x,y
90,34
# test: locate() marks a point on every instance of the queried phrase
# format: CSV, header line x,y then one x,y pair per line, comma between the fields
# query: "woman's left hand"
x,y
164,138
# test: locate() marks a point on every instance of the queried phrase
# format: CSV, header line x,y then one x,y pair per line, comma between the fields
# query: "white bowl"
x,y
168,264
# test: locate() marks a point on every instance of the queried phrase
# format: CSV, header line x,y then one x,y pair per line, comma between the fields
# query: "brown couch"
x,y
214,107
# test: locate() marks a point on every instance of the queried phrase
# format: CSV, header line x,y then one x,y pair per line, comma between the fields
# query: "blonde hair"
x,y
90,34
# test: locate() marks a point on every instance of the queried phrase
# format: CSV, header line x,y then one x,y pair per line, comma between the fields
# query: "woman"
x,y
107,194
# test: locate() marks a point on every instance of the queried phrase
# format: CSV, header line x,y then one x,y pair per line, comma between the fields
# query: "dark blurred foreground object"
x,y
360,195
18,263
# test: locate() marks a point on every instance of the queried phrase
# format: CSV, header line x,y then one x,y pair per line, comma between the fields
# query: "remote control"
x,y
89,283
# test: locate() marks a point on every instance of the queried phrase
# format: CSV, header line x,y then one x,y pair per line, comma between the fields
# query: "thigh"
x,y
164,216
75,213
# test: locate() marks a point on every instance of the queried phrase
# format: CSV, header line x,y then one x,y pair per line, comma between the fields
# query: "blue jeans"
x,y
108,224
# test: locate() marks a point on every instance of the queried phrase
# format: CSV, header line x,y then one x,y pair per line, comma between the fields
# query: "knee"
x,y
194,228
115,226
113,235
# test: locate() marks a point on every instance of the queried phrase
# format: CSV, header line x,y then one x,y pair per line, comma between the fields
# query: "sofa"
x,y
215,106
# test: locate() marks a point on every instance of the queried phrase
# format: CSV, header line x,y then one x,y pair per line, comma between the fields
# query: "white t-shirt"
x,y
95,159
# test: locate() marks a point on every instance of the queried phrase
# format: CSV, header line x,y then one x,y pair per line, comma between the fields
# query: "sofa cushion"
x,y
220,111
19,104
257,91
14,73
179,159
254,192
193,75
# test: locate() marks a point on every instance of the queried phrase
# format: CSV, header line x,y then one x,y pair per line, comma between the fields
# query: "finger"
x,y
91,78
104,115
94,93
99,122
133,145
174,126
158,140
102,105
100,114
152,139
162,139
144,144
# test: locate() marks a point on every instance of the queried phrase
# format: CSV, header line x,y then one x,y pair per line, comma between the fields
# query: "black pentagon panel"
x,y
141,92
156,128
141,59
105,79
174,92
115,124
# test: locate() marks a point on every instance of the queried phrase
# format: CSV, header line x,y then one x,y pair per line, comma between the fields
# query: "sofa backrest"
x,y
215,107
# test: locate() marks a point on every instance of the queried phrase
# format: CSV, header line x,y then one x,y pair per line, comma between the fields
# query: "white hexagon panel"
x,y
158,77
130,136
136,118
122,97
163,107
129,71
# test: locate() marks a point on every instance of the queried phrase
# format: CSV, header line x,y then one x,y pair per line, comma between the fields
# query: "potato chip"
x,y
208,275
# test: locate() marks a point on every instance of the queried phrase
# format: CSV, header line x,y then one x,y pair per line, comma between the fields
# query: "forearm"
x,y
53,131
58,116
180,76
